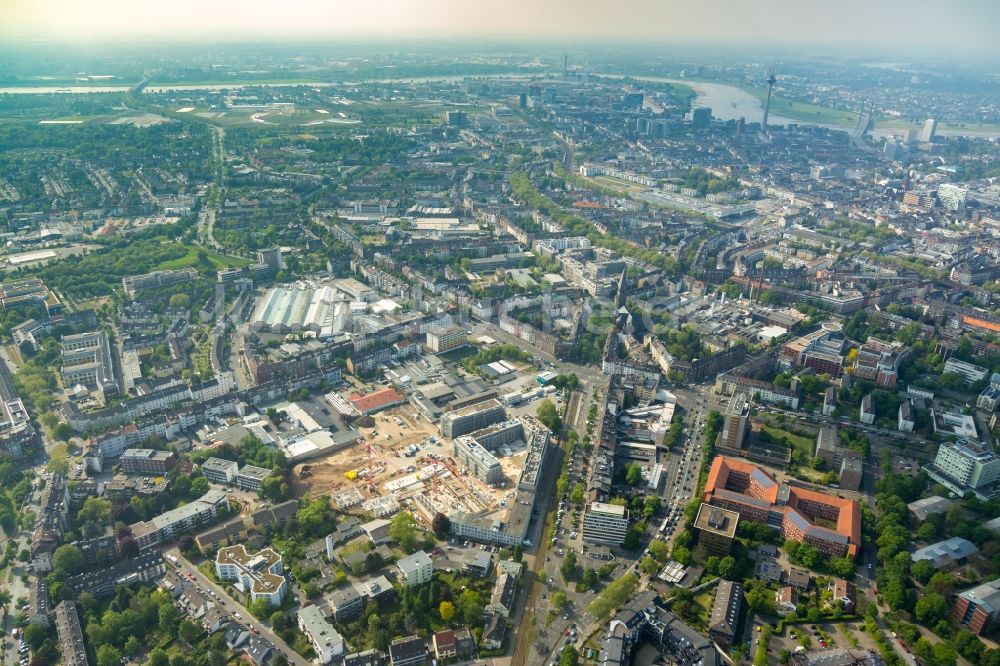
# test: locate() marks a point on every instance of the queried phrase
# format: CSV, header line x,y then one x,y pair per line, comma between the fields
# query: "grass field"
x,y
802,446
58,455
986,129
291,81
214,260
794,110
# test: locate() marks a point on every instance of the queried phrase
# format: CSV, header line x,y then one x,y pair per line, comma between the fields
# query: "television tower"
x,y
771,80
565,66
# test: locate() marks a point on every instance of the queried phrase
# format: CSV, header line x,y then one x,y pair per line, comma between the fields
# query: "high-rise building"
x,y
716,529
457,118
734,425
605,524
271,258
965,465
701,118
930,128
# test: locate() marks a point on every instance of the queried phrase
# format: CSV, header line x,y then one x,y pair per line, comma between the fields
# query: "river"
x,y
729,102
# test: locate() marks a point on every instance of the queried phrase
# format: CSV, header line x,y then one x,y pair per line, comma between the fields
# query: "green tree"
x,y
633,474
132,646
34,636
471,605
727,567
403,530
441,525
279,621
63,432
568,566
180,301
842,566
260,608
188,632
922,570
275,488
158,657
614,595
931,607
660,550
569,656
167,618
559,600
67,559
548,415
108,655
649,566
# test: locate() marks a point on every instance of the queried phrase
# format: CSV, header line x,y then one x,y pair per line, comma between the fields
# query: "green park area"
x,y
197,257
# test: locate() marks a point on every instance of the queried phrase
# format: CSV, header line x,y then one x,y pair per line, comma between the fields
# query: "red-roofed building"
x,y
445,645
369,403
831,524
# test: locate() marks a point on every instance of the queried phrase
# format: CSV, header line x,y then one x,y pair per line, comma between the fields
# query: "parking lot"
x,y
825,636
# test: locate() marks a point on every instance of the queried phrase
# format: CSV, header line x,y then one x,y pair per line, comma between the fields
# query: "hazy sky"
x,y
967,25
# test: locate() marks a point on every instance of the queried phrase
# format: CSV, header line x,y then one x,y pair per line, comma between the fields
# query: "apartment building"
x,y
472,417
970,372
157,280
444,338
415,569
734,424
260,574
218,470
251,477
148,462
480,462
86,360
723,622
408,651
326,641
605,524
184,518
71,646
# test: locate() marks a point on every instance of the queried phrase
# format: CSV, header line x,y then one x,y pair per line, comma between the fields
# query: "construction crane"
x,y
371,466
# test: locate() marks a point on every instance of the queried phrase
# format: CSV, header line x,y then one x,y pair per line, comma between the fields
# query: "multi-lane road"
x,y
681,468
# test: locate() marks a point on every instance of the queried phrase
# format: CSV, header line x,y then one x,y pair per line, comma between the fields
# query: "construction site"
x,y
402,461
